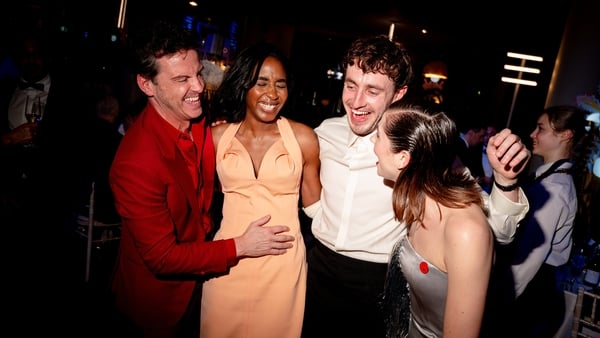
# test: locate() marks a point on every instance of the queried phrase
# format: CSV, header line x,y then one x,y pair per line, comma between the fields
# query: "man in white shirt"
x,y
354,225
19,151
31,88
38,157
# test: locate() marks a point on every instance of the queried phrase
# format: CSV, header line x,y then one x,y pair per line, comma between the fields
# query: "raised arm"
x,y
507,203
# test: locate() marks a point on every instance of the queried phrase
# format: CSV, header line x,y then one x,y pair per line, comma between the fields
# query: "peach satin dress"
x,y
259,297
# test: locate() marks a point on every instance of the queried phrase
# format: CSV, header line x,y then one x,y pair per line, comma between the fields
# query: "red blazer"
x,y
163,248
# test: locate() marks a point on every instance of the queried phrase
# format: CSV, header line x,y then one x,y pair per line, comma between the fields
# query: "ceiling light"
x,y
519,81
524,56
522,69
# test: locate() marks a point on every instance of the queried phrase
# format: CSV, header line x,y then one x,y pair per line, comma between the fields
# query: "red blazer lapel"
x,y
173,158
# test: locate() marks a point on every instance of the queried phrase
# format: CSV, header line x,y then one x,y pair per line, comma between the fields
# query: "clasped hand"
x,y
508,156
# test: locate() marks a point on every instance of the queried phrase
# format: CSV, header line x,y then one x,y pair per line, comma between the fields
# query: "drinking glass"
x,y
35,113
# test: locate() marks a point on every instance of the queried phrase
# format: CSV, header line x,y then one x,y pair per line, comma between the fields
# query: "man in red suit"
x,y
162,178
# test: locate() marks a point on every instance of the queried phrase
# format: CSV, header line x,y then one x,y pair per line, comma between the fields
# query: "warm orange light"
x,y
433,75
122,11
435,71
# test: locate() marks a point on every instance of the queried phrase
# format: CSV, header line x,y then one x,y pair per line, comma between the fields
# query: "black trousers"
x,y
540,309
343,297
187,327
537,313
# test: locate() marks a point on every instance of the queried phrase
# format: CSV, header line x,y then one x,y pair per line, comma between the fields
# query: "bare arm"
x,y
311,183
468,254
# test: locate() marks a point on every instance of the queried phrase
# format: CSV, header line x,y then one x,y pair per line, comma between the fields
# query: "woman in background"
x,y
544,239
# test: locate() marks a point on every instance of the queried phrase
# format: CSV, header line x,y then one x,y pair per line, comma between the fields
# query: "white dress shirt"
x,y
356,217
547,235
23,99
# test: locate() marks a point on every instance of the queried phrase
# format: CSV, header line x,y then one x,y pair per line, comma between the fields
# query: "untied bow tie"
x,y
34,85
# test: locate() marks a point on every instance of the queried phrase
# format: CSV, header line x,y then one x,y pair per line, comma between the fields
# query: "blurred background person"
x,y
37,164
38,155
487,178
20,158
526,289
100,140
545,238
130,113
472,133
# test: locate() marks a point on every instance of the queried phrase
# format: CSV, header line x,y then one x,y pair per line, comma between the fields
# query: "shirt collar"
x,y
542,168
353,138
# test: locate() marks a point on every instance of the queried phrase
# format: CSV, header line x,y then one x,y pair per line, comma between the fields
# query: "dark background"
x,y
472,40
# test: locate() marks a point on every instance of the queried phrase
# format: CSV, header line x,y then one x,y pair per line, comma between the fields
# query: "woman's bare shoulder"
x,y
301,129
467,224
217,131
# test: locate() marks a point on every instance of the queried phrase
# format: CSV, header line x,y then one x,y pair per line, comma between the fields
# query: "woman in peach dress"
x,y
265,163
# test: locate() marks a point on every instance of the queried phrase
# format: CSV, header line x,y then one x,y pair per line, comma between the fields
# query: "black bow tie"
x,y
34,85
